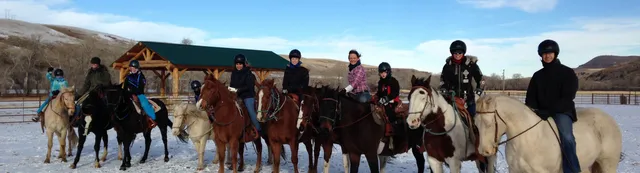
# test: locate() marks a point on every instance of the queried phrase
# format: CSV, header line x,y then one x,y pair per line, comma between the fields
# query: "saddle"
x,y
250,133
294,97
137,105
468,121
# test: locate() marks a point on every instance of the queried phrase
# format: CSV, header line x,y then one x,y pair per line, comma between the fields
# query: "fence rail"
x,y
22,109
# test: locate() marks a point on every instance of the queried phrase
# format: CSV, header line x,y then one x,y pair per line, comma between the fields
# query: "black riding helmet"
x,y
134,63
295,53
384,67
195,84
239,58
548,46
458,45
58,72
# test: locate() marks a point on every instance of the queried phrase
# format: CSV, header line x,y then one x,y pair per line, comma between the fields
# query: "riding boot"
x,y
37,118
150,122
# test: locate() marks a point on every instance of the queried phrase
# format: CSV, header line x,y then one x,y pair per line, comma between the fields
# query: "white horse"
x,y
56,120
198,127
534,146
426,103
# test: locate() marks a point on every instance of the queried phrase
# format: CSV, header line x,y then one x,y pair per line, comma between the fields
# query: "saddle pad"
x,y
466,117
155,106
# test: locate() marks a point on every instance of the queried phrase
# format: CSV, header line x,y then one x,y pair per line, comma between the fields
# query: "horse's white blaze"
x,y
199,103
416,104
299,116
87,124
260,95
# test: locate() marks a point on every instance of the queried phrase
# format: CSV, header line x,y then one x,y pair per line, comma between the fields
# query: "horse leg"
x,y
200,146
119,146
316,156
147,145
374,162
276,148
383,162
354,162
435,164
220,150
80,146
96,148
327,147
308,145
258,145
62,139
73,141
49,145
228,154
233,144
240,156
346,163
105,140
293,146
454,165
126,143
419,159
490,165
163,133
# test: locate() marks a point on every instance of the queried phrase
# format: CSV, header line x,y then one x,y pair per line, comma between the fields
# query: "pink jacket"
x,y
358,79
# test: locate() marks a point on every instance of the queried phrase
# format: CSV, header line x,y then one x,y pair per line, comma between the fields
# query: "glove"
x,y
479,91
232,89
50,69
349,88
544,115
284,91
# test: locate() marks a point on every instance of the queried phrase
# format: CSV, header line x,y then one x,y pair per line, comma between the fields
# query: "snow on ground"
x,y
24,146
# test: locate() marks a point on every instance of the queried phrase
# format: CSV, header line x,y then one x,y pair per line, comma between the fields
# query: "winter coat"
x,y
135,83
99,76
552,89
357,78
244,81
457,76
56,83
389,88
295,79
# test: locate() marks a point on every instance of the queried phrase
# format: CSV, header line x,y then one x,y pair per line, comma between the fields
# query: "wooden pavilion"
x,y
166,59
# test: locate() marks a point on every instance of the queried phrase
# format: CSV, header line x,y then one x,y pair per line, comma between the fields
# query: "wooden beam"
x,y
176,82
138,54
163,83
217,73
182,72
123,74
147,55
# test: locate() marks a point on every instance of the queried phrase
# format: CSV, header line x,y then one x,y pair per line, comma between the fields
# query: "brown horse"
x,y
280,113
326,119
230,123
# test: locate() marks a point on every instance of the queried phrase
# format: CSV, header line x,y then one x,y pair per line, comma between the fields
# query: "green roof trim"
x,y
193,55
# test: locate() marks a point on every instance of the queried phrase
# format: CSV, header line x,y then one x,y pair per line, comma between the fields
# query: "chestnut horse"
x,y
283,124
230,123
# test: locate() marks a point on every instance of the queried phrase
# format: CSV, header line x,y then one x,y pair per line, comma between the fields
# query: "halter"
x,y
211,108
184,118
60,100
431,103
497,115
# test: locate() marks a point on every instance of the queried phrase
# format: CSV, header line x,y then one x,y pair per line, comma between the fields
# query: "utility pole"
x,y
503,81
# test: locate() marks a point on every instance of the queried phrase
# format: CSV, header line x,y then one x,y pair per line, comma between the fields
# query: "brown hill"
x,y
605,61
622,75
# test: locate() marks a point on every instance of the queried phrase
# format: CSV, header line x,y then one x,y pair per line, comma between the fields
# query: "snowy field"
x,y
24,147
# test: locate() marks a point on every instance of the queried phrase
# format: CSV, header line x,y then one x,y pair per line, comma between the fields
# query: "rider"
x,y
57,82
357,78
296,78
98,75
135,83
388,94
243,83
195,86
550,94
456,75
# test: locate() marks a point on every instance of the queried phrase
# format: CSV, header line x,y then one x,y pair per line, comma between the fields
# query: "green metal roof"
x,y
193,55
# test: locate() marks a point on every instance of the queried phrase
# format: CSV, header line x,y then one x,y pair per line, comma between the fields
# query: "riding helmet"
x,y
195,84
547,46
239,58
58,72
295,53
95,60
384,67
458,45
134,63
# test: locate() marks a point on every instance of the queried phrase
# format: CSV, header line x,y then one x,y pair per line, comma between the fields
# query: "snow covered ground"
x,y
23,147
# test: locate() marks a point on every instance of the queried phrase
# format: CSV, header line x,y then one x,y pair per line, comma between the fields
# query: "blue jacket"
x,y
135,83
56,83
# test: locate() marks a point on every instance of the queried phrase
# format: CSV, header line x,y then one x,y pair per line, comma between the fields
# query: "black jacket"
x,y
135,83
457,77
95,77
244,81
389,88
295,79
552,89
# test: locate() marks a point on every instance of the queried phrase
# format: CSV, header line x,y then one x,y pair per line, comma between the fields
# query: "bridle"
x,y
496,116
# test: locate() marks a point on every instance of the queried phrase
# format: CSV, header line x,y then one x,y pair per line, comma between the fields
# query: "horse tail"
x,y
41,123
621,156
73,137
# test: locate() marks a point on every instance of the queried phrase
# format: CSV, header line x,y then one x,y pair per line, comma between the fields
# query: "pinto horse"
x,y
230,123
95,117
445,135
283,124
128,122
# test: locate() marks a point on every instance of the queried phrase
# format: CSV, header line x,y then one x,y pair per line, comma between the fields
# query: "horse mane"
x,y
219,86
189,109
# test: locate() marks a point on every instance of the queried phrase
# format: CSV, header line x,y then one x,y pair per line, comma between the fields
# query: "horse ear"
x,y
428,83
413,79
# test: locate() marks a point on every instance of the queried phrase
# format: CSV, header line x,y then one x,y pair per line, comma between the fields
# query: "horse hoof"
x,y
166,159
69,155
97,165
240,169
103,159
142,161
73,166
123,168
127,165
47,161
64,160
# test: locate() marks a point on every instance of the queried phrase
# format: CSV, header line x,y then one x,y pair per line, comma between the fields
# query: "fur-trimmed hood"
x,y
469,59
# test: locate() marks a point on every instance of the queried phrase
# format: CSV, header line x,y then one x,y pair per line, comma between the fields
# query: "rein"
x,y
188,126
354,122
427,130
58,101
496,114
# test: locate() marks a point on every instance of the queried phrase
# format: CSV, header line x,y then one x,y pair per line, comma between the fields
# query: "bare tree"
x,y
187,41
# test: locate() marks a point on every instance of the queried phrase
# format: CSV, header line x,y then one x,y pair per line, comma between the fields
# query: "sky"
x,y
504,34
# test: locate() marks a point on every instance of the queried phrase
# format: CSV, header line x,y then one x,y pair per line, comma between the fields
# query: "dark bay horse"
x,y
230,123
128,122
95,117
283,124
326,119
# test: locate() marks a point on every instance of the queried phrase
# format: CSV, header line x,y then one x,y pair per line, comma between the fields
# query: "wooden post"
x,y
176,82
592,98
123,73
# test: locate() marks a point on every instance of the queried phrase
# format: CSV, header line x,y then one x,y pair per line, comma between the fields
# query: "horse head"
x,y
423,101
266,90
67,99
329,106
212,92
185,114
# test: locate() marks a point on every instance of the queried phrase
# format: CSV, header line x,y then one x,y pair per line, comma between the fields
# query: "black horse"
x,y
95,117
128,122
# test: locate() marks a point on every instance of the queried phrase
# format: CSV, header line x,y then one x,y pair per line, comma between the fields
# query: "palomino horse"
x,y
56,120
199,130
280,114
230,123
445,136
128,122
534,147
96,114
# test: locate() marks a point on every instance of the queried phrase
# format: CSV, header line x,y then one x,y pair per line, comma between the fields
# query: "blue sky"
x,y
410,34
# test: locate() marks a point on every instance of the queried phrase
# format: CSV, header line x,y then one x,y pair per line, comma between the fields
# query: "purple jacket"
x,y
358,79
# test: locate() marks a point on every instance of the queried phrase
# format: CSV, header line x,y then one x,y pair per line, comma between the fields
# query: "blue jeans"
x,y
44,104
363,97
471,108
568,143
249,103
146,106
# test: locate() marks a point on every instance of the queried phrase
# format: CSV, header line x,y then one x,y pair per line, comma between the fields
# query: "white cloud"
x,y
579,41
530,6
